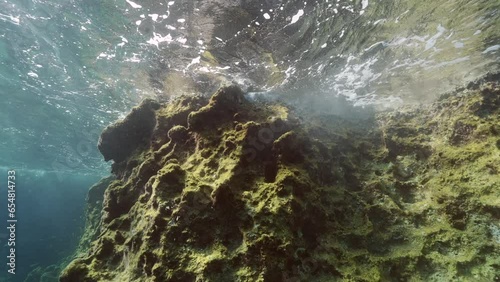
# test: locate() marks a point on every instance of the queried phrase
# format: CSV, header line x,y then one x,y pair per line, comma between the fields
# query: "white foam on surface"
x,y
297,16
491,49
133,5
158,38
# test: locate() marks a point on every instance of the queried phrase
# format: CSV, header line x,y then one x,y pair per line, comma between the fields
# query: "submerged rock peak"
x,y
120,139
236,190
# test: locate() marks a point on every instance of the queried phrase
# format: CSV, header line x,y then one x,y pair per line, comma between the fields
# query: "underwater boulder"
x,y
239,190
222,107
120,139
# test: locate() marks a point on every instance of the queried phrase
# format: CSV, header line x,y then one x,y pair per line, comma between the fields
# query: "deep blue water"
x,y
70,68
50,218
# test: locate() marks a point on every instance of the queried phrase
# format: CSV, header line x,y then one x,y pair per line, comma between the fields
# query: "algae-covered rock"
x,y
221,108
119,140
76,271
93,213
237,190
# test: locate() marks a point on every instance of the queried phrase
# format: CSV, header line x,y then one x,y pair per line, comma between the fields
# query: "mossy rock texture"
x,y
233,189
119,140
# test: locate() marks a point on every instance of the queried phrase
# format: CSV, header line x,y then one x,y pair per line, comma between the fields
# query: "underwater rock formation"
x,y
236,190
93,210
119,140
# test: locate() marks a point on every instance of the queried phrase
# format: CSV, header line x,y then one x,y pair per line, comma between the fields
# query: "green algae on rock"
x,y
236,190
119,140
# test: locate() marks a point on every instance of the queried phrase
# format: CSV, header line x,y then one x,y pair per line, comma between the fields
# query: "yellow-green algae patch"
x,y
229,189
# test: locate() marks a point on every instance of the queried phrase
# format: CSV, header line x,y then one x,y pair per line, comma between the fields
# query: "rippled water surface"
x,y
69,68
